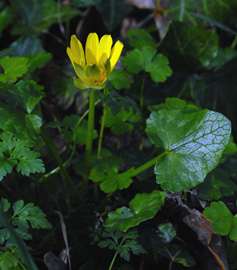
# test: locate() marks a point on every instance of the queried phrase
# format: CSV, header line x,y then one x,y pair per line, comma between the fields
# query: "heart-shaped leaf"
x,y
222,220
143,207
193,145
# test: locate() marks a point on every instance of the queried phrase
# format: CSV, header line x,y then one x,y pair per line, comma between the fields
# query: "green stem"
x,y
148,164
21,265
116,254
89,139
114,258
73,148
234,42
101,131
141,108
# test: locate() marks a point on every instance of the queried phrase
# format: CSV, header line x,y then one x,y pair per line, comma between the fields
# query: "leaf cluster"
x,y
122,243
21,218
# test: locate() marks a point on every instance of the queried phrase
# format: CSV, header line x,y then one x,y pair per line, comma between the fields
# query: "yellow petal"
x,y
115,54
92,43
70,55
77,51
104,49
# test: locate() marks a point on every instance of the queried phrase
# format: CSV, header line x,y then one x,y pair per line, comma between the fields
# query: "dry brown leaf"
x,y
198,223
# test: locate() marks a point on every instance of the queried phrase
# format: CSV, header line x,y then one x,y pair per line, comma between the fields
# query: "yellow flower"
x,y
93,68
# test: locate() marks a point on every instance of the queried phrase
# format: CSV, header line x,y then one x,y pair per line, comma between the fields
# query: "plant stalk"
x,y
116,254
89,139
148,164
114,258
101,131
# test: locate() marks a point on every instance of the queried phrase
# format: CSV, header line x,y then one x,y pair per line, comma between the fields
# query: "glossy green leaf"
x,y
13,67
189,47
222,220
120,79
144,206
147,60
193,145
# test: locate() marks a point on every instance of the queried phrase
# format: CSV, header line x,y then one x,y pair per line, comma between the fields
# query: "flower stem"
x,y
89,139
101,132
55,170
100,147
